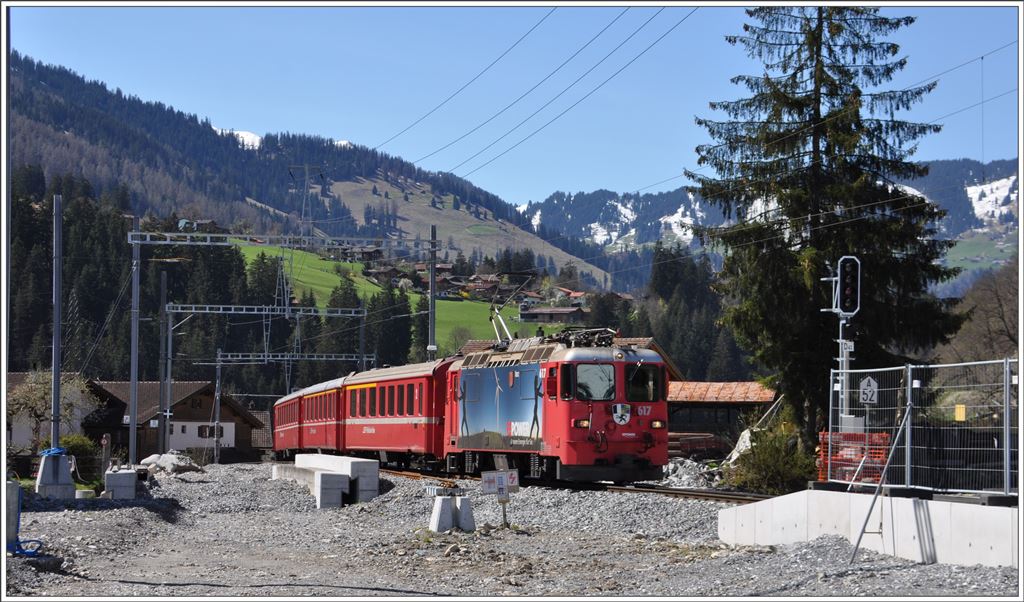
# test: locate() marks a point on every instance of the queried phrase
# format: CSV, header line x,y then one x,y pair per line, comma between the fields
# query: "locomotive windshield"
x,y
644,383
595,382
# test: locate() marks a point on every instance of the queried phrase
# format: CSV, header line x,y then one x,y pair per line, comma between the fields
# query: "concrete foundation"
x,y
121,484
58,486
452,512
331,489
12,503
926,531
364,474
443,516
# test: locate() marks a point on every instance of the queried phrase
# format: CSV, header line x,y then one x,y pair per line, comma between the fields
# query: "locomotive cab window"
x,y
567,384
643,383
595,382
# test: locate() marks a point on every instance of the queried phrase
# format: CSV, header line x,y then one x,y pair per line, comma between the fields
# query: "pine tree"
x,y
817,141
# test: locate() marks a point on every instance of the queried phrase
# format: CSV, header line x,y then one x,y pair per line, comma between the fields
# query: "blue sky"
x,y
365,73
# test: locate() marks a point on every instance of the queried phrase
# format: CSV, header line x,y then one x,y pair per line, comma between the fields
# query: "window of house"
x,y
183,429
197,403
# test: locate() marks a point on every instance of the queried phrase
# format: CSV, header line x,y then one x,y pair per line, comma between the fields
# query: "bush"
x,y
76,445
775,464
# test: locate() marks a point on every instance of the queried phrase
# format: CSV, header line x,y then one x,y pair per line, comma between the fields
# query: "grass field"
x,y
309,272
977,251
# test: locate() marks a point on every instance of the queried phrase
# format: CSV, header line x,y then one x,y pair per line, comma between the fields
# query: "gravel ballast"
x,y
231,531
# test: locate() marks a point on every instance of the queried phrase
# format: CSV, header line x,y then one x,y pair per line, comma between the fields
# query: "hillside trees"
x,y
816,141
991,330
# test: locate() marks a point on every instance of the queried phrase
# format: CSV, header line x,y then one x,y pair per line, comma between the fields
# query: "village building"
x,y
192,417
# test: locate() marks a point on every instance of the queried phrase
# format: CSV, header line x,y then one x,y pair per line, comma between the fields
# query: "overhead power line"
x,y
466,85
586,96
564,90
524,94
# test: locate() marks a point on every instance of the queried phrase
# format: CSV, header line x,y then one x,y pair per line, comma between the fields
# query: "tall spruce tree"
x,y
807,164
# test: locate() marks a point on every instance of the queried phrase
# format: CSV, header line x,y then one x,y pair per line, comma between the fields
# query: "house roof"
x,y
15,379
262,437
149,397
719,392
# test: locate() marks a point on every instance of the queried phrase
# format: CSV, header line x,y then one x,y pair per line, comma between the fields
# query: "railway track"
x,y
729,497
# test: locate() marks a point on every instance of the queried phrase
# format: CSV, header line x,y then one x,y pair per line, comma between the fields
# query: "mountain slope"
x,y
173,162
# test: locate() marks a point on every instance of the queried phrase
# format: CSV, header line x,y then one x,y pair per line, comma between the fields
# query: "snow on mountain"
x,y
992,200
342,143
248,139
536,219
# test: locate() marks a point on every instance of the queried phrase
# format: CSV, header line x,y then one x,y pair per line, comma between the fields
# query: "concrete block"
x,y
872,538
911,524
85,494
353,467
828,513
121,484
789,518
441,517
763,523
746,524
981,535
727,525
330,488
464,514
12,503
57,483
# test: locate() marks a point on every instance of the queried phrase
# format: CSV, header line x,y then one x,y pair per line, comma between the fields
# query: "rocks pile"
x,y
685,473
172,462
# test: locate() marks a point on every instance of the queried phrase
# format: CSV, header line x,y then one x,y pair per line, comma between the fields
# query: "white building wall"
x,y
190,438
19,430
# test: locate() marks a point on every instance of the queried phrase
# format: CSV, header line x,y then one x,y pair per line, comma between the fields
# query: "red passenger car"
x,y
570,406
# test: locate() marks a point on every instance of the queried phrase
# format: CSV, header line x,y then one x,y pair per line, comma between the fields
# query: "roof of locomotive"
x,y
532,352
606,354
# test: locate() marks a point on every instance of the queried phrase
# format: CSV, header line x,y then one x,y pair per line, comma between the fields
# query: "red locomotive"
x,y
571,406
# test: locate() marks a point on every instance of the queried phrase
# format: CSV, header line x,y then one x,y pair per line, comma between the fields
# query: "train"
x,y
572,406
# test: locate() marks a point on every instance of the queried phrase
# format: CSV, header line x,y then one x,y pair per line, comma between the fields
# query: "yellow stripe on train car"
x,y
366,386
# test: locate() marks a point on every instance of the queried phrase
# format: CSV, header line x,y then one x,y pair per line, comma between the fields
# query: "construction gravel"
x,y
231,531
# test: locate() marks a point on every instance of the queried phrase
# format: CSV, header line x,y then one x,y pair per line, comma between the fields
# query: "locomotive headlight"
x,y
657,424
581,423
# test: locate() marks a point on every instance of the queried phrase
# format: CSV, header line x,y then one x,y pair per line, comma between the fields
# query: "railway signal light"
x,y
849,285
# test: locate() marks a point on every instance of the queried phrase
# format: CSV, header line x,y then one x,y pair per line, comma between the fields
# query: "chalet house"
x,y
384,274
478,278
368,253
192,414
715,407
482,290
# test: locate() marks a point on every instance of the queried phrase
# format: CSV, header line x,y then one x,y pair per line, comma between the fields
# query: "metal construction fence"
x,y
960,434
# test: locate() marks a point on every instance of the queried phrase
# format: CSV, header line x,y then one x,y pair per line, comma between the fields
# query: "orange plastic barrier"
x,y
847,451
